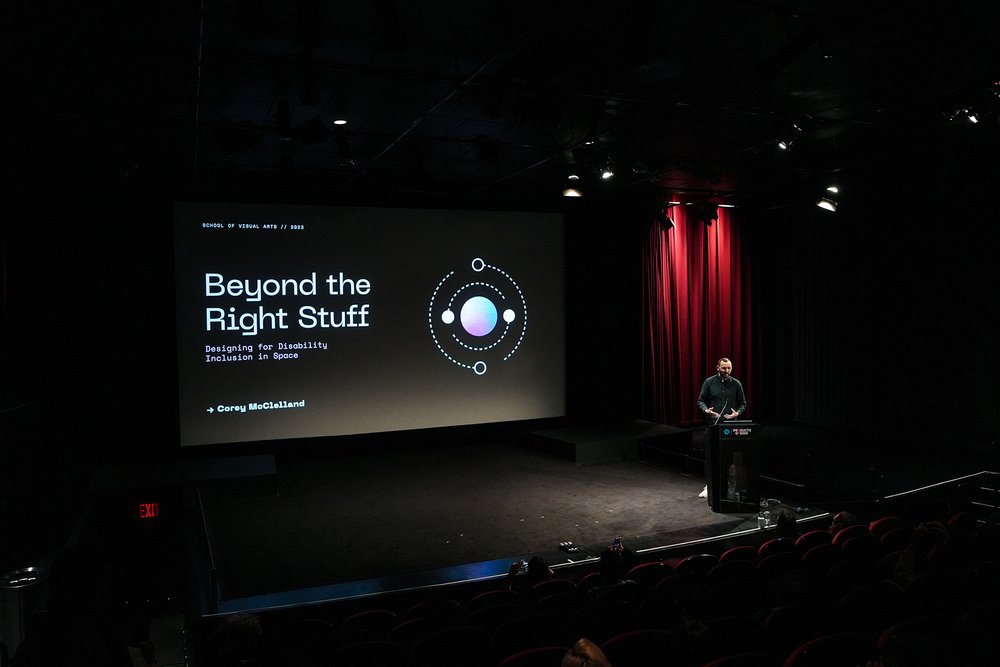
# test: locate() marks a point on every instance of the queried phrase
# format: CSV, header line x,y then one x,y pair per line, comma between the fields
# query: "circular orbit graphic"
x,y
477,316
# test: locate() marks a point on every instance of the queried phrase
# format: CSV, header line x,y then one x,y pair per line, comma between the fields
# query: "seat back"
x,y
640,648
834,650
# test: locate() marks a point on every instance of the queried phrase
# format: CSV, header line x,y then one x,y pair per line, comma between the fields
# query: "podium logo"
x,y
477,316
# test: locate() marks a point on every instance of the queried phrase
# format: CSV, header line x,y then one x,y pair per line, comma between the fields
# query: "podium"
x,y
732,459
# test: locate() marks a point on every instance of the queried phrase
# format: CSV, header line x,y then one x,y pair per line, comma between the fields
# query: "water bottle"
x,y
764,516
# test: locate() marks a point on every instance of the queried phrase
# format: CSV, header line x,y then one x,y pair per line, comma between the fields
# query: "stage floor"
x,y
358,524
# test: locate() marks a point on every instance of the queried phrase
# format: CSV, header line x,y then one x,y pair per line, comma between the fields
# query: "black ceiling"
x,y
485,99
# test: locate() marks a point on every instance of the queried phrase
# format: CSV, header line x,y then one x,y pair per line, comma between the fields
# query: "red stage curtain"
x,y
696,308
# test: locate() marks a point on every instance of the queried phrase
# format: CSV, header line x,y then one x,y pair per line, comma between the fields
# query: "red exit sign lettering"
x,y
149,510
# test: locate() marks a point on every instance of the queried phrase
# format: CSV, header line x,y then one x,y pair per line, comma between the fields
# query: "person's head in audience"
x,y
840,521
614,564
585,653
786,525
913,560
522,576
538,570
236,638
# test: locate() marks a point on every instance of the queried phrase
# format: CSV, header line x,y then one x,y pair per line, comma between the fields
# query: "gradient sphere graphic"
x,y
479,316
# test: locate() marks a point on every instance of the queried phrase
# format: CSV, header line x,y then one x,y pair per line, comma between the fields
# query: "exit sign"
x,y
149,510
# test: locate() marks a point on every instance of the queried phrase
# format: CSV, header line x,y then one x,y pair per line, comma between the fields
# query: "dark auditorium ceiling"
x,y
484,98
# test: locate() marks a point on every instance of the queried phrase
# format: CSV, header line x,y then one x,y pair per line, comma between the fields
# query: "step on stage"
x,y
589,445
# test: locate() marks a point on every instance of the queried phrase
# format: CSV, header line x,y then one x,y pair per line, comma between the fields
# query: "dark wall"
x,y
881,316
603,327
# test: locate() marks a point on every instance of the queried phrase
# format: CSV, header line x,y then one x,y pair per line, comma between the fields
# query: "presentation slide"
x,y
311,321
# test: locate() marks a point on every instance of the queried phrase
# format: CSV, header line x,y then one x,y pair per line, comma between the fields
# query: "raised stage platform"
x,y
589,445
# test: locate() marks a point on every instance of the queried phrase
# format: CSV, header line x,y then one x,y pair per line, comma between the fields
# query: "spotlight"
x,y
966,113
828,201
707,213
664,219
572,172
571,192
785,143
607,171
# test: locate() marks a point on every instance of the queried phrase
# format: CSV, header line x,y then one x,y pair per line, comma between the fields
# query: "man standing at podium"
x,y
721,398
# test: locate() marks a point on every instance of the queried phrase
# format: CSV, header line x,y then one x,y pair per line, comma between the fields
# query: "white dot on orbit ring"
x,y
509,316
448,316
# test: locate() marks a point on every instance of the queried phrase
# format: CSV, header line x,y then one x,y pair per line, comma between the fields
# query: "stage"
x,y
364,523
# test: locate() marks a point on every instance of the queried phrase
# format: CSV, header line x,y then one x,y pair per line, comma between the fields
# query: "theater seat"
x,y
746,660
812,538
541,656
848,532
459,646
640,648
834,650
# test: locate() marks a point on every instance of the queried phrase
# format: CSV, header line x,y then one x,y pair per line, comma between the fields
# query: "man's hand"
x,y
732,414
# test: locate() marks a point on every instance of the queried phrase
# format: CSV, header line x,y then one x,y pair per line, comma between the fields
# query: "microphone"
x,y
720,412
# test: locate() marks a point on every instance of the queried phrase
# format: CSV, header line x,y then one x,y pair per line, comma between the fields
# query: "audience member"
x,y
585,653
236,638
613,566
913,559
841,520
786,525
537,570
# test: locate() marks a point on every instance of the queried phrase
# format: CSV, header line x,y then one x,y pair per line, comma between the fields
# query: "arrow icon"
x,y
210,410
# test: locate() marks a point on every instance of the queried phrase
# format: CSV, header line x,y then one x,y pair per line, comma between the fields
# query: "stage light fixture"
x,y
572,172
707,213
571,192
665,220
788,139
828,200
